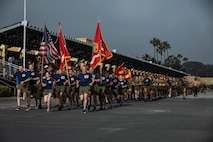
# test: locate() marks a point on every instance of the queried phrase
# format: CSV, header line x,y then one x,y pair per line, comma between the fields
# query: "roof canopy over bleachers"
x,y
13,36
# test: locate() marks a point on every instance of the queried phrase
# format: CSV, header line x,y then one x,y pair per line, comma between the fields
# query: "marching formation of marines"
x,y
86,88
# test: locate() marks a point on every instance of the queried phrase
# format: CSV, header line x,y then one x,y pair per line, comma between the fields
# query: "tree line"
x,y
162,57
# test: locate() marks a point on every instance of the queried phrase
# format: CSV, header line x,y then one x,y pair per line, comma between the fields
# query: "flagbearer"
x,y
70,90
60,80
76,92
84,81
48,53
101,91
64,64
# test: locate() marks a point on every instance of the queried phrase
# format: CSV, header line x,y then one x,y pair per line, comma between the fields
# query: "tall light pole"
x,y
24,33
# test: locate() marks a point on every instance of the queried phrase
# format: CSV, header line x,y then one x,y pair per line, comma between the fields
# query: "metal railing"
x,y
7,68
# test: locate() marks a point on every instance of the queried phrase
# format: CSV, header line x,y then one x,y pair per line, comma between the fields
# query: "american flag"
x,y
47,48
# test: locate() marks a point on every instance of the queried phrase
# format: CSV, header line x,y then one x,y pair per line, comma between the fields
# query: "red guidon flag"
x,y
101,51
121,70
128,75
64,53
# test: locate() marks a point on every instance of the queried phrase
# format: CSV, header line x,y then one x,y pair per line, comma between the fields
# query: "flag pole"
x,y
42,68
24,33
42,58
100,68
101,72
67,73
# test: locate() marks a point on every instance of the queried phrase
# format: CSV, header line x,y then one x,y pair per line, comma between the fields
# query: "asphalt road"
x,y
167,120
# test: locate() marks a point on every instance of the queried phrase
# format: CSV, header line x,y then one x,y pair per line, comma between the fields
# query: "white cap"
x,y
46,66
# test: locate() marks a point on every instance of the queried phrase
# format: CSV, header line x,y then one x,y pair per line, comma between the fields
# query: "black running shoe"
x,y
60,107
94,109
89,107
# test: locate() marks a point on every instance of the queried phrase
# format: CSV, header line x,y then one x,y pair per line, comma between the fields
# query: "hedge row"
x,y
5,91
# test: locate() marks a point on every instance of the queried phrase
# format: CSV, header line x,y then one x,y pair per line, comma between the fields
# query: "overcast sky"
x,y
127,25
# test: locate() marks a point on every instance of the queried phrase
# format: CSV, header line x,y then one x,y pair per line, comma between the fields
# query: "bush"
x,y
5,91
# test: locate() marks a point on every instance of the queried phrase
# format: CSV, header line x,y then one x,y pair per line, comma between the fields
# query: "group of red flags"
x,y
100,51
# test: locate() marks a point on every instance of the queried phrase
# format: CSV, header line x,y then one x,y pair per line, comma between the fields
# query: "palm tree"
x,y
157,51
165,46
160,51
167,49
146,57
155,42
